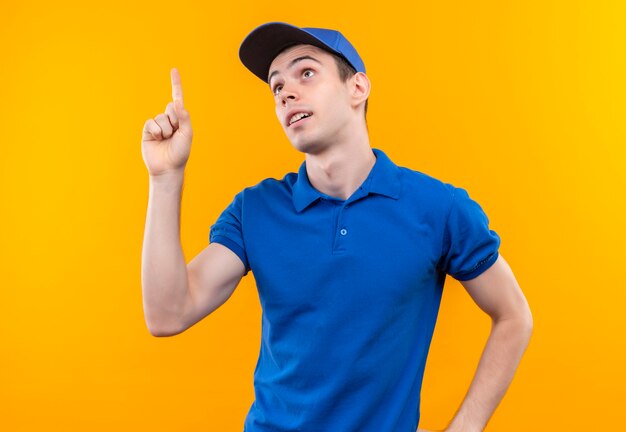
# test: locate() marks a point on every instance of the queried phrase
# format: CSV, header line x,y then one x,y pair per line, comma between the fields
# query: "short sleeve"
x,y
469,246
228,230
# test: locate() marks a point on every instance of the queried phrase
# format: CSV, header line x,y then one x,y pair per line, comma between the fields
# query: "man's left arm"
x,y
498,294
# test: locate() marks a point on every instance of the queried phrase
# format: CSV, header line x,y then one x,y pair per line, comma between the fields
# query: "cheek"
x,y
331,100
337,107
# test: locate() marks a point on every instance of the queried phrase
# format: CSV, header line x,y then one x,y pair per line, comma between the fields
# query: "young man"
x,y
350,255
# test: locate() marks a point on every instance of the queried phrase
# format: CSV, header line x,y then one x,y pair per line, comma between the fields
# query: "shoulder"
x,y
270,189
272,184
427,188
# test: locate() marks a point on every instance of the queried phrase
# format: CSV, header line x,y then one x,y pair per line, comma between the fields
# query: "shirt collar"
x,y
383,179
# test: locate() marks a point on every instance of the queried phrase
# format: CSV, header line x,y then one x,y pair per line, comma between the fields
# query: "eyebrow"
x,y
293,62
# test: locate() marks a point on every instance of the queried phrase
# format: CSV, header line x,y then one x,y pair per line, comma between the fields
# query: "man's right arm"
x,y
176,295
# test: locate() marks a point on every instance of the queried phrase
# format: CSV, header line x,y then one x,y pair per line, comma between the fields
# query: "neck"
x,y
341,167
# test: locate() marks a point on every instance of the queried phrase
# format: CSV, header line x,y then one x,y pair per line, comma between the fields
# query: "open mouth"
x,y
298,117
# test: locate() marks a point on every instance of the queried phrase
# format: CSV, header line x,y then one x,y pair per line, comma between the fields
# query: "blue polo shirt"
x,y
350,292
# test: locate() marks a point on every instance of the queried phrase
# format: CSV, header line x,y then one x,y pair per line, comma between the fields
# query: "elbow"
x,y
525,323
162,322
519,322
527,318
529,324
159,332
159,329
525,328
530,321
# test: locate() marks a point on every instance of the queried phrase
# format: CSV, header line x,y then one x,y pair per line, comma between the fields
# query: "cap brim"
x,y
264,43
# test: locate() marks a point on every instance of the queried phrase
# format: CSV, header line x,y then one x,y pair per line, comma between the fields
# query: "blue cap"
x,y
259,49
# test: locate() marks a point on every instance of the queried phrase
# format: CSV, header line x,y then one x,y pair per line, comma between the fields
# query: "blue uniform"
x,y
350,291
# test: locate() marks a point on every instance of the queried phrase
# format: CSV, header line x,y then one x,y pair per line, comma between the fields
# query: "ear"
x,y
360,88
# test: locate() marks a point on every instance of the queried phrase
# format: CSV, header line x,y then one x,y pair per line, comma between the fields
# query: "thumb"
x,y
184,120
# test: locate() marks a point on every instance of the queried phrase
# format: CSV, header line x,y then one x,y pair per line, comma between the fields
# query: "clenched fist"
x,y
166,140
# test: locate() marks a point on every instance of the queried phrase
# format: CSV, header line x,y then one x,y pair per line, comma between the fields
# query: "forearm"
x,y
163,270
503,351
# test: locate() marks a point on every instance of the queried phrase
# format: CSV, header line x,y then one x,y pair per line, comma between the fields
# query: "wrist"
x,y
462,429
174,177
459,424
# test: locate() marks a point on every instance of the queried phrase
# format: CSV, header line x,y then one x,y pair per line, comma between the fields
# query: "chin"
x,y
308,146
306,143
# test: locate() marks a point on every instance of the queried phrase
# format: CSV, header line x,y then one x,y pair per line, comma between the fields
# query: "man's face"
x,y
305,79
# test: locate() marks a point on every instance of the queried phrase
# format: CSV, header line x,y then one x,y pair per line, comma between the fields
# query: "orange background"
x,y
521,104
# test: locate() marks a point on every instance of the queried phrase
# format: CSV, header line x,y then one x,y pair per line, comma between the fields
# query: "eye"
x,y
277,89
307,72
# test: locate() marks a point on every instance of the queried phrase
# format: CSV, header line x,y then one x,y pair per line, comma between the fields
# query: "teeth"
x,y
297,117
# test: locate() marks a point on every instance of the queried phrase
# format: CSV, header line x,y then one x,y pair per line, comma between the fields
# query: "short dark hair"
x,y
345,72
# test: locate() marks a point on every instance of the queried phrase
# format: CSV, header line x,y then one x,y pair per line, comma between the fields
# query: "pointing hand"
x,y
166,140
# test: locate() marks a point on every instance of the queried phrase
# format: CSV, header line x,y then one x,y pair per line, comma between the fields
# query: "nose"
x,y
287,94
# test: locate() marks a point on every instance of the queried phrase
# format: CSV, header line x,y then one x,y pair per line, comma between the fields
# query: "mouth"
x,y
298,117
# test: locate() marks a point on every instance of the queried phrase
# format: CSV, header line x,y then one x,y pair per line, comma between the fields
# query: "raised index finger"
x,y
177,88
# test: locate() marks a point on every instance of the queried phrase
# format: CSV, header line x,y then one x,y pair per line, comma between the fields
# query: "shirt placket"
x,y
344,226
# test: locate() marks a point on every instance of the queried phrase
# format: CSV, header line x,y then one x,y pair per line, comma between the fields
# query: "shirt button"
x,y
343,231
